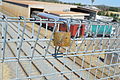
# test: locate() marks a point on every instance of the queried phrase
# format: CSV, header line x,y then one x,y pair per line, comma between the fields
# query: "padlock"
x,y
62,39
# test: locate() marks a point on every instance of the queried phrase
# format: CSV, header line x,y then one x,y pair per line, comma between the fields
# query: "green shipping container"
x,y
100,29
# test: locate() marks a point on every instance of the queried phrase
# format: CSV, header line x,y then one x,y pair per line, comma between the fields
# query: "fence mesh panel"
x,y
27,51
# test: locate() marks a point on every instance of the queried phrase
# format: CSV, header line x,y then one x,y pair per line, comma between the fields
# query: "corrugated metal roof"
x,y
60,13
36,2
49,16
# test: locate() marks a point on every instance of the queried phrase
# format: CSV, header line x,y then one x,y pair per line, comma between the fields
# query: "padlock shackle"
x,y
67,23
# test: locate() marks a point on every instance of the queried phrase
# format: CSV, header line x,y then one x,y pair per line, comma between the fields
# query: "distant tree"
x,y
101,13
115,16
107,8
114,9
111,14
79,4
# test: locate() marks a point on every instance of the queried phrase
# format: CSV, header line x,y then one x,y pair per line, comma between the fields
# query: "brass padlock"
x,y
62,39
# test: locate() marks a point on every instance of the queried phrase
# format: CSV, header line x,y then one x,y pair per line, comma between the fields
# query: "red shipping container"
x,y
82,30
74,29
63,27
49,24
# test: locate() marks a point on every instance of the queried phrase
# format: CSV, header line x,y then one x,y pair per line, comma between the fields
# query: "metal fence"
x,y
27,51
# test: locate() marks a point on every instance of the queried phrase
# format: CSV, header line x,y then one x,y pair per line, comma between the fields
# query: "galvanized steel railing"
x,y
92,56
